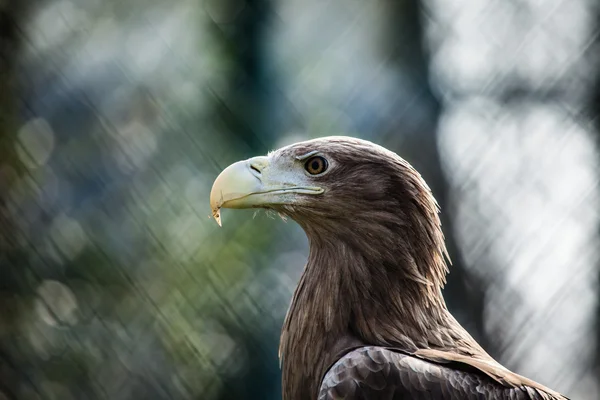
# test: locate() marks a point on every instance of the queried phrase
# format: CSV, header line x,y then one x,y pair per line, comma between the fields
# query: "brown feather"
x,y
375,271
371,372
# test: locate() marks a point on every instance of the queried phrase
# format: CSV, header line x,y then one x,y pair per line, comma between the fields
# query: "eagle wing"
x,y
387,374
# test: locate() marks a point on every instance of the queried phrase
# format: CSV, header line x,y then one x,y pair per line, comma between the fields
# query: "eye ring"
x,y
316,165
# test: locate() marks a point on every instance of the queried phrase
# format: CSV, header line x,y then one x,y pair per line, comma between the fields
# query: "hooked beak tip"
x,y
217,216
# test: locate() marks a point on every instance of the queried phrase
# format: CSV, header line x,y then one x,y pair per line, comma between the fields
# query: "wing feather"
x,y
381,373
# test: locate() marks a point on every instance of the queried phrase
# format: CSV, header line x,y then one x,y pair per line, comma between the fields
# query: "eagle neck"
x,y
345,292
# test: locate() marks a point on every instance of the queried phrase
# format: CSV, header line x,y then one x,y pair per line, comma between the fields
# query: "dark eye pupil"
x,y
316,165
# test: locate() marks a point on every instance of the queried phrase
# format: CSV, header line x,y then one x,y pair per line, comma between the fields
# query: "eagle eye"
x,y
316,165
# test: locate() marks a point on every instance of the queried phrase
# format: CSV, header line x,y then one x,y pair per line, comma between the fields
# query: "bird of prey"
x,y
367,319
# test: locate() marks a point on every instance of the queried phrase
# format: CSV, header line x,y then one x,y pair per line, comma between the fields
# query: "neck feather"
x,y
376,269
379,297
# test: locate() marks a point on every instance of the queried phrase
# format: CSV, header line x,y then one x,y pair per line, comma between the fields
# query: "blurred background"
x,y
117,115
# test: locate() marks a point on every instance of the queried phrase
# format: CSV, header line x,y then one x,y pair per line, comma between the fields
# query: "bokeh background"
x,y
117,115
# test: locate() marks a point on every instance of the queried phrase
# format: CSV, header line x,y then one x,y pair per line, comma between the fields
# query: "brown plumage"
x,y
368,320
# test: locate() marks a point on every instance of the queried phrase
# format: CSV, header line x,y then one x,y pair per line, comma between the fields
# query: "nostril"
x,y
258,164
254,167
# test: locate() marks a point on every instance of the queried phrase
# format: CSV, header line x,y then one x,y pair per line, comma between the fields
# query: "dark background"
x,y
117,115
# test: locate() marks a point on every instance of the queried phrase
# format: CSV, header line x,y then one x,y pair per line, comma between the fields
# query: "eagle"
x,y
368,319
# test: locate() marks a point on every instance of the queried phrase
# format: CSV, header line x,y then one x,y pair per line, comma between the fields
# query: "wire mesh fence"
x,y
116,283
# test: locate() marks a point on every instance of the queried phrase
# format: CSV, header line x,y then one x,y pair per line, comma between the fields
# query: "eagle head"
x,y
333,186
346,193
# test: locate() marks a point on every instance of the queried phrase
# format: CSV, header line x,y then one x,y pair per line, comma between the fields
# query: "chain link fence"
x,y
116,283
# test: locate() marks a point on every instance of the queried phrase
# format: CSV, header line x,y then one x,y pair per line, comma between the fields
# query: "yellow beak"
x,y
256,183
236,182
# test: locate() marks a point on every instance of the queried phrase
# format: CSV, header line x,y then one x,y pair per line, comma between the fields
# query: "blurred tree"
x,y
260,377
241,25
414,133
12,257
